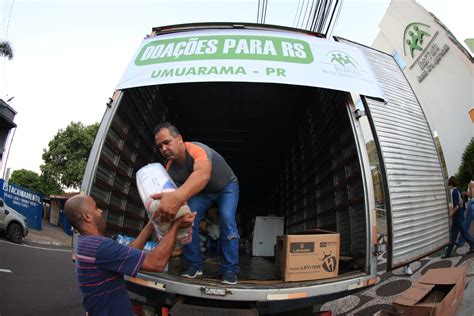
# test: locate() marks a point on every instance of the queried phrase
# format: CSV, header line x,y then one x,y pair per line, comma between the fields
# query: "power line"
x,y
258,11
4,14
327,5
4,59
299,16
8,21
265,12
262,11
309,14
320,21
296,13
304,15
336,19
315,17
308,24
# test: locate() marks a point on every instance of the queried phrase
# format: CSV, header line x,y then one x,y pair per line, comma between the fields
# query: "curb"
x,y
47,243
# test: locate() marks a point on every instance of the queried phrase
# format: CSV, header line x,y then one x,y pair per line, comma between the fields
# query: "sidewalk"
x,y
467,306
49,235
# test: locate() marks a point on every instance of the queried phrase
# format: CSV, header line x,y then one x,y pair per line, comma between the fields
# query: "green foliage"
x,y
466,169
31,180
49,186
6,50
27,179
66,158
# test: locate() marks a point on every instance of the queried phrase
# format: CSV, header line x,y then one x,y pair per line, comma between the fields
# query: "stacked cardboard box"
x,y
308,255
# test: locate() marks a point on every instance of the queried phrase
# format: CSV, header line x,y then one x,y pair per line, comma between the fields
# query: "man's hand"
x,y
186,220
452,211
170,203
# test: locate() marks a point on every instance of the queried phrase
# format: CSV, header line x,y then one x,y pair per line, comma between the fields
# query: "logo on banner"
x,y
344,65
342,59
414,38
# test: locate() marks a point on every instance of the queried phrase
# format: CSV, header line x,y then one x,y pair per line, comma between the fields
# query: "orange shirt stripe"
x,y
198,153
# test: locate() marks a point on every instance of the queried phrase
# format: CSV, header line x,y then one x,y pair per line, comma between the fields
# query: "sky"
x,y
70,54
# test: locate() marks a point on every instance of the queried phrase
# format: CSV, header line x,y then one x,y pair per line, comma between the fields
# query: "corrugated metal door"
x,y
415,192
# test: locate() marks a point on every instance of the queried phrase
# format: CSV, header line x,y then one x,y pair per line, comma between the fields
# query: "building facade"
x,y
7,126
439,69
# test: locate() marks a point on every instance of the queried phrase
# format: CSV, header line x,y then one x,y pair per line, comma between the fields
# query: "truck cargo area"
x,y
292,148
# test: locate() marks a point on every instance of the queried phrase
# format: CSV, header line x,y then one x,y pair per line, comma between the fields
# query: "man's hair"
x,y
74,208
452,181
173,130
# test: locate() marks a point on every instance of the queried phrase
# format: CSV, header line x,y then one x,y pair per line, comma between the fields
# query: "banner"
x,y
24,201
250,56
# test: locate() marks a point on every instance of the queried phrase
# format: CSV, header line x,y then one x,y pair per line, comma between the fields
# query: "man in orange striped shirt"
x,y
204,179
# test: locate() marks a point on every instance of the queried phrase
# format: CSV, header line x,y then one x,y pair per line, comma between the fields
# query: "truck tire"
x,y
15,233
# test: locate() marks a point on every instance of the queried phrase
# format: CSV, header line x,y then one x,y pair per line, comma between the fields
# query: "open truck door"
x,y
415,191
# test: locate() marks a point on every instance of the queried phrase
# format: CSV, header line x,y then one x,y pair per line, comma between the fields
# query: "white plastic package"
x,y
152,179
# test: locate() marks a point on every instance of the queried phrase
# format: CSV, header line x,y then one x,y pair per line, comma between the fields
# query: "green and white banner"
x,y
250,56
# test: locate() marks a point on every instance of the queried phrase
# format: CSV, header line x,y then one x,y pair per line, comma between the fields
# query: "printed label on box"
x,y
302,247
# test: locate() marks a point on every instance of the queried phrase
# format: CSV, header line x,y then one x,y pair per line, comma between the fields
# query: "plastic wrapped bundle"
x,y
124,239
152,179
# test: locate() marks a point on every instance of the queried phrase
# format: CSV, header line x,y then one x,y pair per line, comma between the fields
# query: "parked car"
x,y
12,223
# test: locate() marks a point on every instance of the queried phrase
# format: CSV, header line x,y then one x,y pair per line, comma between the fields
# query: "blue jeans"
x,y
227,200
467,222
457,227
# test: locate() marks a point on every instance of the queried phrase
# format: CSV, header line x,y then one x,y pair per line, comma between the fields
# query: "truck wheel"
x,y
15,233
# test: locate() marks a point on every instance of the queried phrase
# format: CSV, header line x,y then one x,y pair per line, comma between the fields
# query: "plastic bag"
x,y
152,179
213,231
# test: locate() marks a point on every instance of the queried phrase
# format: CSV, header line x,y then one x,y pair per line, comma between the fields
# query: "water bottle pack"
x,y
124,240
150,245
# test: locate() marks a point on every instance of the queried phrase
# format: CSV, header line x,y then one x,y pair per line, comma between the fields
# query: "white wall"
x,y
446,94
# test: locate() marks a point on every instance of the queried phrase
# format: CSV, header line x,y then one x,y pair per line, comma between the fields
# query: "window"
x,y
359,105
401,63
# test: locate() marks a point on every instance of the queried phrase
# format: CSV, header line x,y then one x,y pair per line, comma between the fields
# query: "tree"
x,y
39,183
466,169
66,158
27,179
49,186
6,50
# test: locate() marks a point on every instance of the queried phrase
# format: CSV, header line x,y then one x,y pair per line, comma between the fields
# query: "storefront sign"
x,y
421,45
24,201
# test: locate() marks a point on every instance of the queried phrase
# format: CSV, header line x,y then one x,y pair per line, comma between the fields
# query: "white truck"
x,y
286,108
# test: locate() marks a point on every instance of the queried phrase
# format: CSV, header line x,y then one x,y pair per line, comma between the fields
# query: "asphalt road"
x,y
37,281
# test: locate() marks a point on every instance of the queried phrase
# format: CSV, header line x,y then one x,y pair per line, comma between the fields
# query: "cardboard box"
x,y
437,293
308,255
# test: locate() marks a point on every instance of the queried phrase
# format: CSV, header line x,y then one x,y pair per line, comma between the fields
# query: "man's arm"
x,y
142,238
453,210
170,202
196,181
156,260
